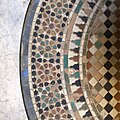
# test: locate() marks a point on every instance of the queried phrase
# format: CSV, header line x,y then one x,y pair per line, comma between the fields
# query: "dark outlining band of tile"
x,y
24,60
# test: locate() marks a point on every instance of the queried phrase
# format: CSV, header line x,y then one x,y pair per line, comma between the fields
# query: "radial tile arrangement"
x,y
70,60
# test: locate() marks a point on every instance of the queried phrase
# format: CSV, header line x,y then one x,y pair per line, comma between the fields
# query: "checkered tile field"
x,y
103,65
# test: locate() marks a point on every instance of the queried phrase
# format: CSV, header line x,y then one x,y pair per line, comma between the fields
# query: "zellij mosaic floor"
x,y
70,60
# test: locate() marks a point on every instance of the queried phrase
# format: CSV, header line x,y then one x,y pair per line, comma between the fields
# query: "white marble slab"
x,y
12,14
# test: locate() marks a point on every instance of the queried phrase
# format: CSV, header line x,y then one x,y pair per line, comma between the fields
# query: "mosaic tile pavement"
x,y
70,60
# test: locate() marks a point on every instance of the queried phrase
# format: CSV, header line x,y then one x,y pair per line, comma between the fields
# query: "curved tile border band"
x,y
24,60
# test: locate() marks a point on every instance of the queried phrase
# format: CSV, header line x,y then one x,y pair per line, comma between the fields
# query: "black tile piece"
x,y
108,34
91,4
108,108
81,99
108,117
87,114
107,13
108,76
108,55
75,66
107,65
108,23
107,86
108,96
108,3
108,44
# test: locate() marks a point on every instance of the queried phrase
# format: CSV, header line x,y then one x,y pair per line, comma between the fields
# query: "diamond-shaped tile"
x,y
113,49
98,55
117,44
117,24
117,55
89,65
117,13
93,49
93,39
113,113
108,86
113,102
117,107
107,12
108,96
113,60
103,92
103,103
108,34
108,44
117,75
117,3
103,50
113,70
98,44
97,75
99,107
117,65
109,117
117,116
117,86
108,76
113,81
103,70
98,98
103,18
93,82
108,108
98,86
113,91
97,65
108,55
117,96
103,60
117,34
108,3
90,44
89,54
108,65
103,81
108,23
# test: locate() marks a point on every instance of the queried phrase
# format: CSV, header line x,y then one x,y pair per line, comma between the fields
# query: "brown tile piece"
x,y
89,55
75,58
98,55
117,12
117,117
81,26
117,55
117,75
97,75
98,98
117,23
117,107
117,96
97,65
117,3
117,34
117,86
117,65
90,44
89,76
117,44
89,65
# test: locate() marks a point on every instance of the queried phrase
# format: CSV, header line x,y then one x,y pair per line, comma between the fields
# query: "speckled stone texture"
x,y
12,13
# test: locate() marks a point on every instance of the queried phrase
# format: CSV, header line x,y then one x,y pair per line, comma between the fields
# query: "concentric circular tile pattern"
x,y
70,60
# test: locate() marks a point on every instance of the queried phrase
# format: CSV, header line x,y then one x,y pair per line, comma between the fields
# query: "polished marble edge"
x,y
24,75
